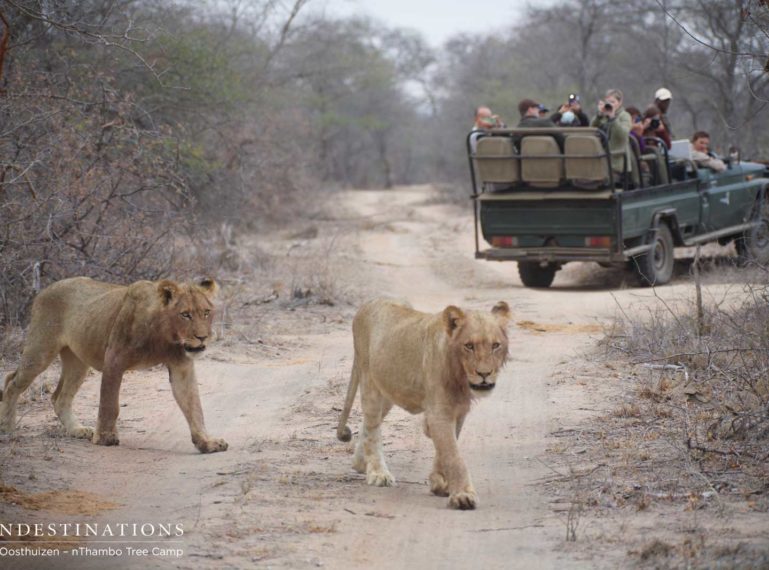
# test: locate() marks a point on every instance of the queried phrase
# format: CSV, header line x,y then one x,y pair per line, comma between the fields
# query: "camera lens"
x,y
607,107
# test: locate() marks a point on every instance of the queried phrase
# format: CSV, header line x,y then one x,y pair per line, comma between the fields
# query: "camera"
x,y
654,124
608,107
572,97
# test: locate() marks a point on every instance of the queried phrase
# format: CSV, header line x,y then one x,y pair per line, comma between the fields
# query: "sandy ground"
x,y
285,495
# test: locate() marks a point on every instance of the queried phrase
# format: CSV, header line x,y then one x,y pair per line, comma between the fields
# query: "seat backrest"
x,y
493,169
656,153
635,173
541,172
662,167
586,163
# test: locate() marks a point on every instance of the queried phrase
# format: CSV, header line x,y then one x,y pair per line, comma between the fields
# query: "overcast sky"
x,y
437,20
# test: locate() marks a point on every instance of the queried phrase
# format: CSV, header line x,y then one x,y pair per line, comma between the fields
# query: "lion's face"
x,y
479,342
189,313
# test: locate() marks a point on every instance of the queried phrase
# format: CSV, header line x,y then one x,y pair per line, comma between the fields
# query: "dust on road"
x,y
285,495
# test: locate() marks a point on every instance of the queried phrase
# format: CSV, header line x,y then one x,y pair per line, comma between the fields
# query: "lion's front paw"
x,y
211,445
82,432
108,438
438,485
463,501
380,479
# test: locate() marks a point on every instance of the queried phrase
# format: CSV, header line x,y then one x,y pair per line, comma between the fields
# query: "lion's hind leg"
x,y
375,407
73,373
34,360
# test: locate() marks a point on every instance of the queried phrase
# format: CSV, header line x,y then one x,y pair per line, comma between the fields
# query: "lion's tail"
x,y
342,430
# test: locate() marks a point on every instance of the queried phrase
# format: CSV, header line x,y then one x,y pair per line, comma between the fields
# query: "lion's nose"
x,y
483,375
201,338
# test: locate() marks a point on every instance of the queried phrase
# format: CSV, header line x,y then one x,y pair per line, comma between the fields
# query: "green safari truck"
x,y
544,197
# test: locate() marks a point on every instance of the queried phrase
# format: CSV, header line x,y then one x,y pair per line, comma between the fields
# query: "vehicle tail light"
x,y
504,241
598,241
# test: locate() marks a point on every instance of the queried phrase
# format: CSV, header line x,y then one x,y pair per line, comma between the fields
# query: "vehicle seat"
x,y
636,175
655,158
589,172
492,169
541,172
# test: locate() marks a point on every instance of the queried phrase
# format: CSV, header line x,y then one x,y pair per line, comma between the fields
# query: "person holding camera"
x,y
615,122
637,127
654,126
485,120
662,99
570,114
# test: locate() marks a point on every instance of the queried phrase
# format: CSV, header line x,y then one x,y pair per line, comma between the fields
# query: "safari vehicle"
x,y
544,197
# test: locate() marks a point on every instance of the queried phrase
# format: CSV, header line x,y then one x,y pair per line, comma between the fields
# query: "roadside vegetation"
x,y
678,454
137,135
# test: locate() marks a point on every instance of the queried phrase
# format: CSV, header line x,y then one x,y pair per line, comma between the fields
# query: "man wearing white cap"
x,y
662,99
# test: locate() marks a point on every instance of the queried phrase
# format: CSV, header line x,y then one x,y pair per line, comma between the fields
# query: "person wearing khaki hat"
x,y
662,99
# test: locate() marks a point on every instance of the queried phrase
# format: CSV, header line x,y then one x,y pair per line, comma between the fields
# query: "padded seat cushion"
x,y
541,172
497,170
591,170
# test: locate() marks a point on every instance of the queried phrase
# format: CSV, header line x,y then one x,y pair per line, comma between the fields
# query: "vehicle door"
x,y
726,200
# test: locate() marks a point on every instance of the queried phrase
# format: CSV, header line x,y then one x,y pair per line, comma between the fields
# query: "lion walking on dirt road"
x,y
423,363
114,328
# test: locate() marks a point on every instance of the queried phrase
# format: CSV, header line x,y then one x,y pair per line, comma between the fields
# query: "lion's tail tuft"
x,y
343,432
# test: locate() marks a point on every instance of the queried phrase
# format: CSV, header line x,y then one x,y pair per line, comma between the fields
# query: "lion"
x,y
114,328
431,363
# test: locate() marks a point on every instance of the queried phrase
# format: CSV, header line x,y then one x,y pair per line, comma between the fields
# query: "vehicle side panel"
x,y
729,198
640,206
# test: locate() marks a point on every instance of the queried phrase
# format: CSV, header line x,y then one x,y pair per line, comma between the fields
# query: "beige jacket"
x,y
703,160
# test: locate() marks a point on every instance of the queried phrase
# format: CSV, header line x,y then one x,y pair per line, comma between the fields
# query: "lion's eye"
x,y
470,346
186,315
206,313
495,346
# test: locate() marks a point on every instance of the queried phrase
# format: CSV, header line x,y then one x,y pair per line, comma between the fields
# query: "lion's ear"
x,y
452,319
167,290
209,287
502,311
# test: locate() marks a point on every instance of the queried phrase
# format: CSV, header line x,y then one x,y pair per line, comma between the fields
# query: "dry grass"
x,y
683,446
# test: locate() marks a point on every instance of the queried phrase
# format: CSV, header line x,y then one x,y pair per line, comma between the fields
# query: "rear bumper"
x,y
557,254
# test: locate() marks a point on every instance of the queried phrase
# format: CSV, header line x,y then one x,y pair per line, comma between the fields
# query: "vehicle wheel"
x,y
656,266
533,274
753,245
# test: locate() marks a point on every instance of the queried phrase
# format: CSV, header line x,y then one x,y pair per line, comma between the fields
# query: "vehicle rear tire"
x,y
534,275
753,245
656,266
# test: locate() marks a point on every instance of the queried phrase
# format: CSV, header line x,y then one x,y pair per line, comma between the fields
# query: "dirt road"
x,y
285,495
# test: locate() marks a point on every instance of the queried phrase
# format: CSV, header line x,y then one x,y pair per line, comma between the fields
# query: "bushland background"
x,y
147,138
137,135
